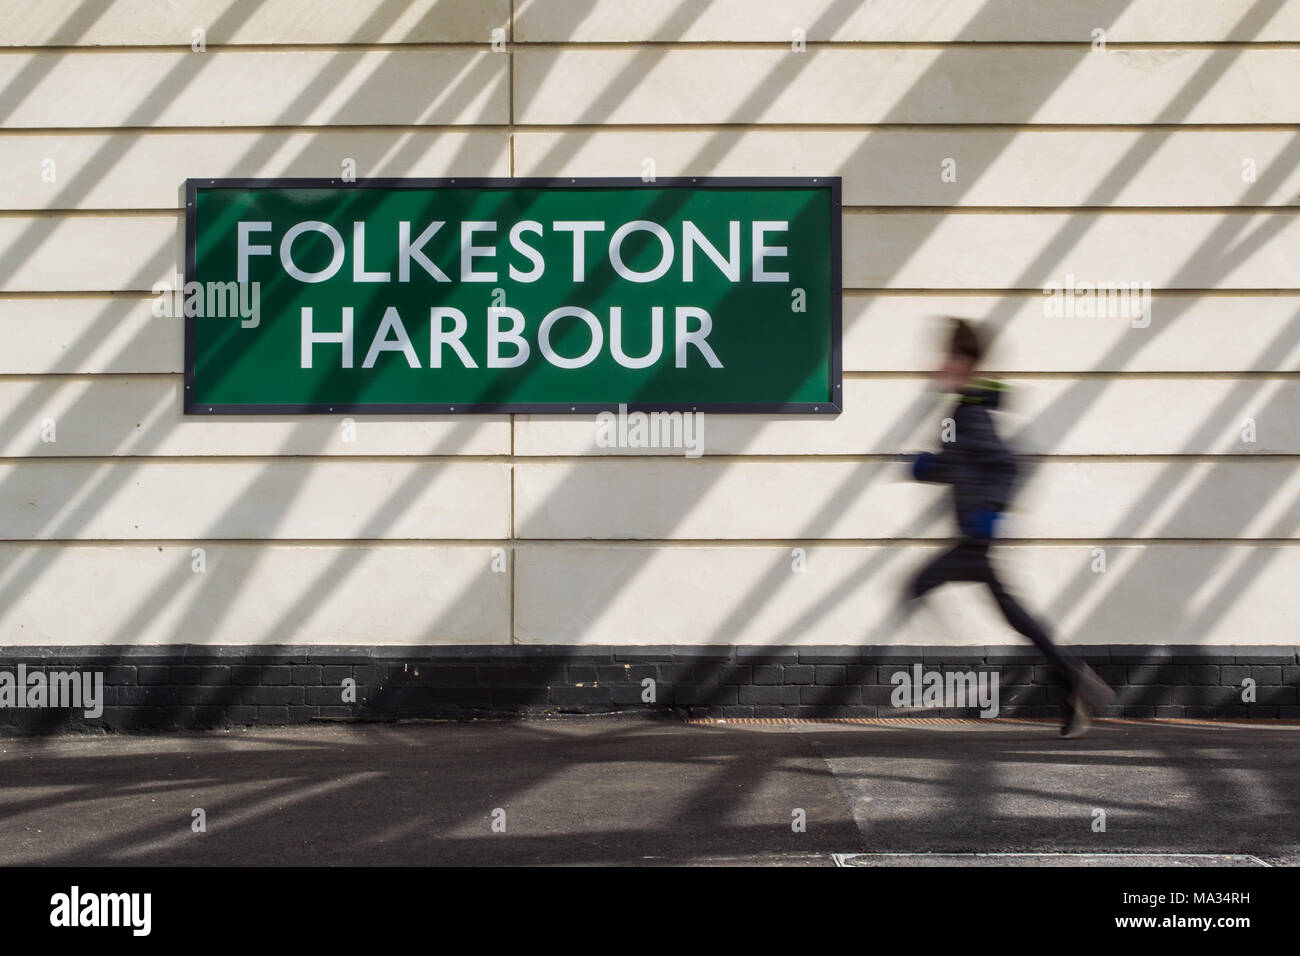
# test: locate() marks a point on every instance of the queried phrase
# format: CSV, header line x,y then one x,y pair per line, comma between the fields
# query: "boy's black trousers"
x,y
969,561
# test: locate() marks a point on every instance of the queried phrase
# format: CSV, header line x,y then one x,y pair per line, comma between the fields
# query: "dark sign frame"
x,y
831,407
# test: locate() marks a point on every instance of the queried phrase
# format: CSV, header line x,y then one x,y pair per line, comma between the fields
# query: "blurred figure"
x,y
982,471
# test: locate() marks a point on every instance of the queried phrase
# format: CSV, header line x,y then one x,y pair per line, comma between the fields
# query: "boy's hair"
x,y
965,342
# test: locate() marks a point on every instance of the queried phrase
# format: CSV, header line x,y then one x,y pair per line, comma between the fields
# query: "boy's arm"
x,y
979,438
929,466
977,445
989,456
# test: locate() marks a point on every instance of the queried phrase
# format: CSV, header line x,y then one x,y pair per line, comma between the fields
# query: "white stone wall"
x,y
1169,157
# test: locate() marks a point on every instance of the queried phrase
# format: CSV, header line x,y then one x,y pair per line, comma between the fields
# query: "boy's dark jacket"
x,y
977,463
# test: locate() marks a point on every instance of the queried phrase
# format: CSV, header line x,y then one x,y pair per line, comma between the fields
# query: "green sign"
x,y
511,295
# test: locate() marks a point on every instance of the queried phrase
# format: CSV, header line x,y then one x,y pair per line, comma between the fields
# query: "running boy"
x,y
982,472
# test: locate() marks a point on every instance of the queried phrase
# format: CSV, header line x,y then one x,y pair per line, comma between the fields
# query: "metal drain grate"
x,y
868,721
1059,858
1236,722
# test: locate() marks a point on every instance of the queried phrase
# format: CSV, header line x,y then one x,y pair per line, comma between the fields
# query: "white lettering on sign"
x,y
408,250
763,252
286,250
310,337
482,256
507,344
479,240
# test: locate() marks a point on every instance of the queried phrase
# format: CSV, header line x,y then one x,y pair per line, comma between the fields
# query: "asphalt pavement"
x,y
582,791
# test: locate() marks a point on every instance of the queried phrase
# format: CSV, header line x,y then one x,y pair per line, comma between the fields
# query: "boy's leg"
x,y
1067,665
1084,690
969,561
963,562
939,571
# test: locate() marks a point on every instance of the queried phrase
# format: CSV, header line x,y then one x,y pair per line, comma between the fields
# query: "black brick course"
x,y
206,687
